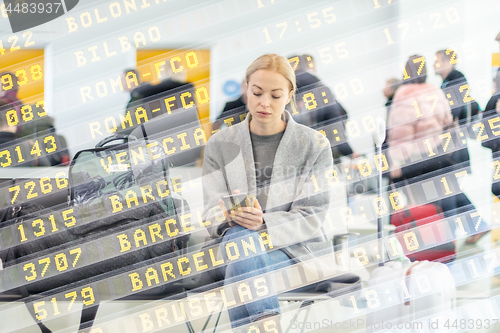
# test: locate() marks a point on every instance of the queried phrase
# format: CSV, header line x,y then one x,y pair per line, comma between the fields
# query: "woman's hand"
x,y
355,155
249,217
224,209
396,173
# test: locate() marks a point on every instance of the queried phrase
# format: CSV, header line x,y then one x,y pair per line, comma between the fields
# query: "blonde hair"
x,y
277,63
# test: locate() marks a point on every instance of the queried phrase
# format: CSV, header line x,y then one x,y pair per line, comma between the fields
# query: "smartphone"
x,y
235,201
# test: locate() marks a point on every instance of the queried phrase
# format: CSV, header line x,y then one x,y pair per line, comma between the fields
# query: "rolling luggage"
x,y
417,216
424,287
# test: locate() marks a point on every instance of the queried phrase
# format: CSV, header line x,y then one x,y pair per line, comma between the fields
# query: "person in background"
x,y
391,85
238,106
8,135
8,91
45,126
405,127
329,114
463,113
444,66
491,110
170,81
132,83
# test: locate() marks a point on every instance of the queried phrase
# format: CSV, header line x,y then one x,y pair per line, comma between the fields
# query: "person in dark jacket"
x,y
391,85
131,81
463,113
8,134
139,90
444,66
492,109
238,106
173,82
329,114
10,94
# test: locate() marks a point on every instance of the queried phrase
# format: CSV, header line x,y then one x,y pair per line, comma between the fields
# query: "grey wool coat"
x,y
298,198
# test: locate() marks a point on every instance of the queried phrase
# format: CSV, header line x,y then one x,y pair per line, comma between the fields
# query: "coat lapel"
x,y
282,159
241,173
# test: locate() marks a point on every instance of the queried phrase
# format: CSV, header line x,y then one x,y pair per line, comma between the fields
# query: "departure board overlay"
x,y
119,120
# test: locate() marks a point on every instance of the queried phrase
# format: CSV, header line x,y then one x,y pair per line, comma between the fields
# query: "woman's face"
x,y
268,93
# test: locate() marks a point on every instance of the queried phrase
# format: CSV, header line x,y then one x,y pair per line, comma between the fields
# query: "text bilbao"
x,y
150,108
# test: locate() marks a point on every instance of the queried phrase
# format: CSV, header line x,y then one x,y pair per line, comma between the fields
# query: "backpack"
x,y
126,173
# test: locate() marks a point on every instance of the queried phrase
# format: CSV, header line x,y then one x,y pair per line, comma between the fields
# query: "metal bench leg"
x,y
43,328
210,317
297,314
305,319
31,310
299,311
88,317
188,324
218,318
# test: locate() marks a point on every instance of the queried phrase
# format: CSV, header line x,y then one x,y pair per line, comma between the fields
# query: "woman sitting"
x,y
284,167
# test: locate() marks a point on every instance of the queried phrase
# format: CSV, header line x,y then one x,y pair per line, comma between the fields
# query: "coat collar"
x,y
246,161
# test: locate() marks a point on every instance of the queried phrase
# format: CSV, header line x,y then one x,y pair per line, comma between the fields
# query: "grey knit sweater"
x,y
296,206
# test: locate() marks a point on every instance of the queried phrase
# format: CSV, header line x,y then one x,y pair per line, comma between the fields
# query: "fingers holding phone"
x,y
225,212
239,209
249,217
227,203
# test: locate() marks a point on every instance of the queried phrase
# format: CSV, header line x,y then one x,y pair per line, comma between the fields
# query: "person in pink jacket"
x,y
418,109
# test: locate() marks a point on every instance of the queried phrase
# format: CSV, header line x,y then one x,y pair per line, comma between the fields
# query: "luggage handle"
x,y
378,137
115,137
343,241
